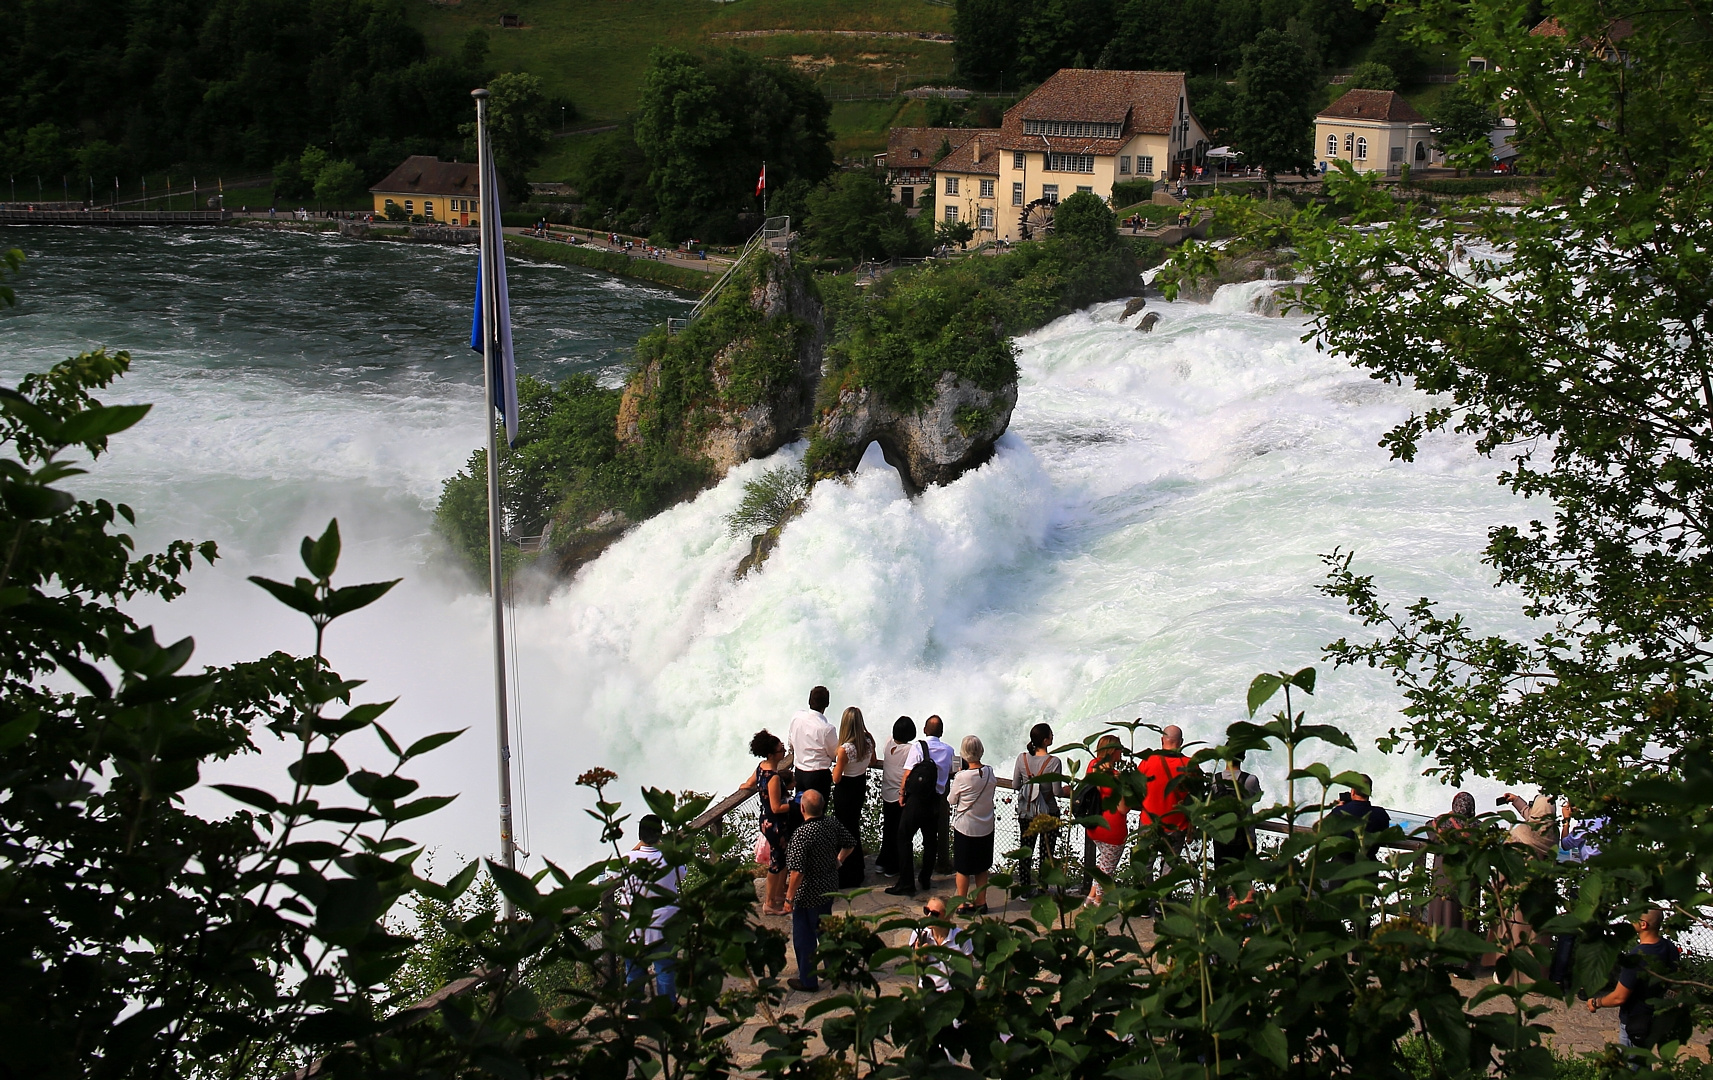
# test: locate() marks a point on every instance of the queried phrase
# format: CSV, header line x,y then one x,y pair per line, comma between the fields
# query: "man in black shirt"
x,y
817,848
1371,821
1636,986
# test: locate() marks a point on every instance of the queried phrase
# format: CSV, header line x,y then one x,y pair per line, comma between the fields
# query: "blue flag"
x,y
505,365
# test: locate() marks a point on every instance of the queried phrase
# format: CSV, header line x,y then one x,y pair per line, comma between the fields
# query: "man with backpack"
x,y
1637,988
922,794
1161,827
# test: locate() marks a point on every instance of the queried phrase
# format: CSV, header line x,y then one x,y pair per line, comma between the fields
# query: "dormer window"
x,y
914,154
1073,129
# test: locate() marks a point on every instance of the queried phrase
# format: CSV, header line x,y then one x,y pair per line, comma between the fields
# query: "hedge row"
x,y
661,273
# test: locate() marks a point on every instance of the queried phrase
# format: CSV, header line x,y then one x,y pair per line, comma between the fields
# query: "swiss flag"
x,y
761,181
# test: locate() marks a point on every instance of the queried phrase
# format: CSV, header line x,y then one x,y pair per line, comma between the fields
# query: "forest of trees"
x,y
103,87
1010,43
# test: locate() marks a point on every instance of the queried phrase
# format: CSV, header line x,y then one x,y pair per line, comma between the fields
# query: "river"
x,y
1144,542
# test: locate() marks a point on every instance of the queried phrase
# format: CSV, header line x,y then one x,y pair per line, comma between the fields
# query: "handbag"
x,y
763,851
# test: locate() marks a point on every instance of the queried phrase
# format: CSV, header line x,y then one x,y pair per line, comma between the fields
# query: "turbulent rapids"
x,y
1143,542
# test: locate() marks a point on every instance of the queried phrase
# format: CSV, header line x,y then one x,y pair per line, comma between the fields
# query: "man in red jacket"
x,y
1160,820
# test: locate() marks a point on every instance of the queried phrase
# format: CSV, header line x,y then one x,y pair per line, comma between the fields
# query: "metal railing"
x,y
773,229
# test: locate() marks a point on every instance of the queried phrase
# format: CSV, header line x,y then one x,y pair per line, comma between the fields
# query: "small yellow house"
x,y
442,191
1374,130
966,183
1084,130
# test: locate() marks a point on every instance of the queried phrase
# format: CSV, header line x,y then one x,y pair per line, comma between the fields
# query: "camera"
x,y
1501,801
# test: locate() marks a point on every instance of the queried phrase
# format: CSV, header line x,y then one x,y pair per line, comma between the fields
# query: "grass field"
x,y
594,51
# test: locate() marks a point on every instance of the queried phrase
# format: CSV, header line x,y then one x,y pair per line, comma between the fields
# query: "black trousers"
x,y
886,860
816,780
921,814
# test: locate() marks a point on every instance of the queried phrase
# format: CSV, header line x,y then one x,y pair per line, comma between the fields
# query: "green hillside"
x,y
594,51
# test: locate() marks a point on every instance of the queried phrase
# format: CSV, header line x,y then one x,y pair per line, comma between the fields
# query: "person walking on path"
x,y
1109,838
892,758
850,787
649,878
1037,802
921,792
970,795
1653,953
778,816
818,848
814,745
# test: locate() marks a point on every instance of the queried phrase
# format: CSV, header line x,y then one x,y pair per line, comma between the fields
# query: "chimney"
x,y
978,149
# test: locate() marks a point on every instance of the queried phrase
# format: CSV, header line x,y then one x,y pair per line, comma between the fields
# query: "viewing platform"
x,y
11,216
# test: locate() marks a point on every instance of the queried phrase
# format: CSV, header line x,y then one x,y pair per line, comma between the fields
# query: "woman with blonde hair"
x,y
850,788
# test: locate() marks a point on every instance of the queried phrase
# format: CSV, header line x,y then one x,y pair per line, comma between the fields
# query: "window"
x,y
1361,149
428,208
915,153
1144,165
410,206
1124,164
951,187
1057,162
1332,146
951,213
1017,194
1073,128
1085,187
984,218
1050,192
1397,153
1017,161
1348,139
987,189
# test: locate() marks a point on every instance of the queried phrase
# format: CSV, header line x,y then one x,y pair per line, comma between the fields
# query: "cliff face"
x,y
936,444
743,381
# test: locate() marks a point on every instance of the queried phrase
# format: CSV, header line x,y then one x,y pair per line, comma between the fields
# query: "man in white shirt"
x,y
923,809
892,757
654,881
814,745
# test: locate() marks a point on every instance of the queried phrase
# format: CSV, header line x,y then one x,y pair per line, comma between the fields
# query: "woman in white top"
x,y
1036,800
970,795
850,788
892,758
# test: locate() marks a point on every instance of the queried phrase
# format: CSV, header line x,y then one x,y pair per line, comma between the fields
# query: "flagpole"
x,y
491,239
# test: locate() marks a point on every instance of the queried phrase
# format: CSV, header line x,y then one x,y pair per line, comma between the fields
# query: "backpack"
x,y
924,778
1089,802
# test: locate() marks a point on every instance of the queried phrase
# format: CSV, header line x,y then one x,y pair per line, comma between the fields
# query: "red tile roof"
x,y
1144,102
964,159
1383,105
424,175
925,141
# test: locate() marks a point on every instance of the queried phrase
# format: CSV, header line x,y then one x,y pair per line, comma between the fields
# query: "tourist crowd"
x,y
811,826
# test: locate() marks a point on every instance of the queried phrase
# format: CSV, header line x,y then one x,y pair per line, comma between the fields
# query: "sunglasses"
x,y
932,914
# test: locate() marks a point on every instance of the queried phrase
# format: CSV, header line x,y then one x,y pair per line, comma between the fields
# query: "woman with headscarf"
x,y
1445,910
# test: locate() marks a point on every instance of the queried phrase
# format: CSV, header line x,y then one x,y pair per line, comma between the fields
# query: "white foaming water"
x,y
1144,541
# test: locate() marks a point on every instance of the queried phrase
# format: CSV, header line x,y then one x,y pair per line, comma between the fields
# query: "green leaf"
x,y
1264,687
249,796
1304,680
516,887
1326,733
321,557
290,596
100,421
41,425
1269,1041
431,742
16,731
323,767
428,804
352,597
